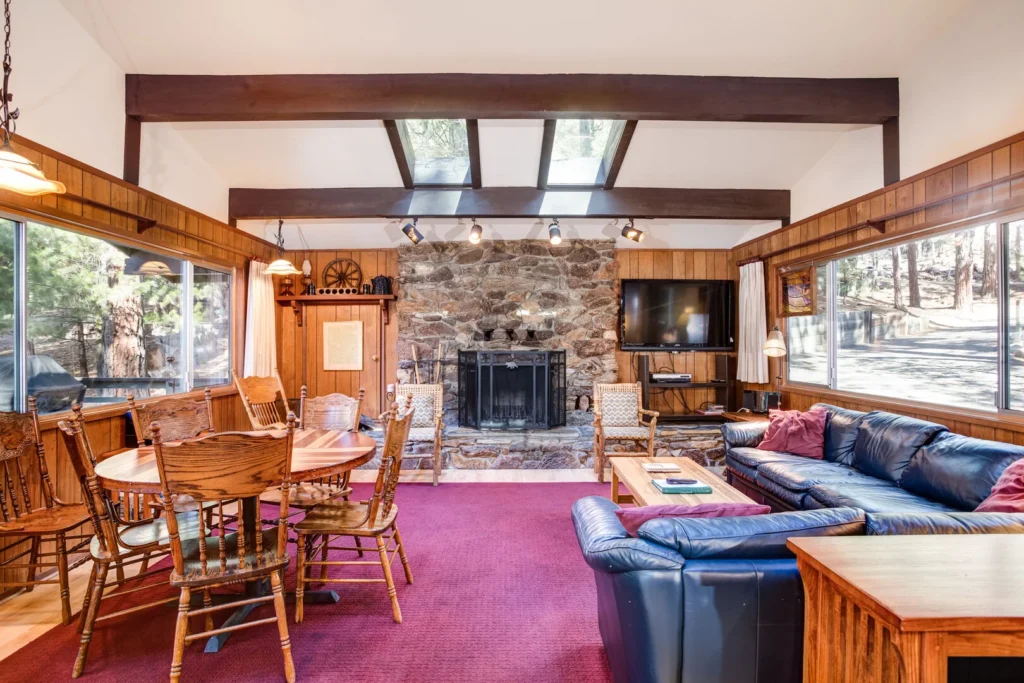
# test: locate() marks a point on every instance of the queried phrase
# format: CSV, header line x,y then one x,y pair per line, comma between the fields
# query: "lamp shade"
x,y
282,267
774,345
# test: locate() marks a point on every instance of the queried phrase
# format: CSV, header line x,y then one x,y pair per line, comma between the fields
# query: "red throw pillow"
x,y
792,431
1008,493
633,518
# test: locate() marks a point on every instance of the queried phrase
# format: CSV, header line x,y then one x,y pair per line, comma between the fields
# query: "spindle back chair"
x,y
428,423
220,468
35,518
261,397
333,411
619,416
179,418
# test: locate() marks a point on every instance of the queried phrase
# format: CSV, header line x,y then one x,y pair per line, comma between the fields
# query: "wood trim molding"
x,y
132,149
612,173
103,412
473,138
891,151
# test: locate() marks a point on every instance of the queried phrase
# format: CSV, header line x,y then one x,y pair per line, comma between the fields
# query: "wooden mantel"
x,y
299,301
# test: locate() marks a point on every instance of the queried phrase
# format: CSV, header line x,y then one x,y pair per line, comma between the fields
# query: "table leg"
x,y
615,486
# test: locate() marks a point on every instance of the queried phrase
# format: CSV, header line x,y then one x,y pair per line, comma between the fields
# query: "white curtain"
x,y
260,327
752,364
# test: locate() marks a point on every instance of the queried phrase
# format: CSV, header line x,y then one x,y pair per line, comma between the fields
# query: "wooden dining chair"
x,y
118,542
33,513
219,468
263,399
428,421
619,416
375,518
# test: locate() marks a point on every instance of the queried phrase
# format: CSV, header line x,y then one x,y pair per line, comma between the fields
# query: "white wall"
x,y
850,168
966,88
174,169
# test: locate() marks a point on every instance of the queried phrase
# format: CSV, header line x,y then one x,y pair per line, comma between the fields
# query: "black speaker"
x,y
761,401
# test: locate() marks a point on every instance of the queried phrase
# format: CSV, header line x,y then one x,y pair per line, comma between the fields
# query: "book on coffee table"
x,y
665,487
660,467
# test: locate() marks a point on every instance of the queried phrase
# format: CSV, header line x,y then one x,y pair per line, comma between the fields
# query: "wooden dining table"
x,y
316,454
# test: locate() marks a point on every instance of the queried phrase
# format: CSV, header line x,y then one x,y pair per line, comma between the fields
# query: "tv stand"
x,y
722,384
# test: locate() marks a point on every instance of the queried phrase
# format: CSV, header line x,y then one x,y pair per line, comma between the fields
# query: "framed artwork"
x,y
798,292
343,345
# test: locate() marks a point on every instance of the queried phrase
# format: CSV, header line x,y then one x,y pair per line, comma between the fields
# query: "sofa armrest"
x,y
915,523
737,434
756,537
607,546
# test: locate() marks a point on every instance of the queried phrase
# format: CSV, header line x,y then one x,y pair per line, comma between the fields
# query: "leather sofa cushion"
x,y
606,545
745,471
755,457
877,497
800,476
758,537
916,523
794,499
841,428
736,434
958,470
886,442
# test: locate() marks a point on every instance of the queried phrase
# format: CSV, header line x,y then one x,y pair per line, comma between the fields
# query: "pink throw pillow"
x,y
1008,493
633,518
792,431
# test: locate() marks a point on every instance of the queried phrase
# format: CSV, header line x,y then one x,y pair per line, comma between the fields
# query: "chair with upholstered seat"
x,y
118,542
619,416
26,517
428,420
375,518
263,399
219,468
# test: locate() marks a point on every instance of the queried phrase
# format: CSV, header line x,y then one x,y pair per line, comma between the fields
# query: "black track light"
x,y
411,232
476,233
630,232
554,233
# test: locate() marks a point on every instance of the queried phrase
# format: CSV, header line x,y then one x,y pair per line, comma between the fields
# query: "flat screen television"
x,y
677,315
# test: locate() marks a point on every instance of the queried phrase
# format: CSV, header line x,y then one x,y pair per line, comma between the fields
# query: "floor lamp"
x,y
775,347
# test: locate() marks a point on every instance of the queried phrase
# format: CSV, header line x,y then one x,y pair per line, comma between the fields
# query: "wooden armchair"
x,y
34,519
427,401
261,397
619,416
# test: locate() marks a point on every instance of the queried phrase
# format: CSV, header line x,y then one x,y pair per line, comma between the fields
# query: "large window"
x,y
927,320
582,150
439,150
103,320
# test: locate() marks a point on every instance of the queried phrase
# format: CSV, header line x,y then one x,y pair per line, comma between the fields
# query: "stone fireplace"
x,y
511,389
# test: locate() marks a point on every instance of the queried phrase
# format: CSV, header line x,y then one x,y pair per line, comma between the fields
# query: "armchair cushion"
x,y
423,404
886,442
422,433
619,409
626,432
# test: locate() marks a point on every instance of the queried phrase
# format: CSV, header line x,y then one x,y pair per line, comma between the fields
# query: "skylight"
x,y
583,151
439,151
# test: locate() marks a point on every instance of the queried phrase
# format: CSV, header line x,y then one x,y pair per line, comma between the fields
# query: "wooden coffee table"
x,y
643,492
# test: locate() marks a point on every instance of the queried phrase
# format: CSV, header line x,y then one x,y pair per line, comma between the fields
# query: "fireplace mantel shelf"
x,y
299,301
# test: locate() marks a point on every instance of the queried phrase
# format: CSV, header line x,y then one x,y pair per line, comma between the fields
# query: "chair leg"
x,y
33,558
300,576
276,579
401,555
144,567
323,558
87,599
396,611
62,577
91,607
599,460
359,544
208,602
180,631
437,461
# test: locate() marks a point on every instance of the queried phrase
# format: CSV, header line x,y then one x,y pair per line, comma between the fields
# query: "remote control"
x,y
676,480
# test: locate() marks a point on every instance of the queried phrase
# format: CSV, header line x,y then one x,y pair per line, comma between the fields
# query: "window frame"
x,y
20,307
1001,405
612,156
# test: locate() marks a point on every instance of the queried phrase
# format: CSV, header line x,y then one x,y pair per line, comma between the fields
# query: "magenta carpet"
x,y
501,594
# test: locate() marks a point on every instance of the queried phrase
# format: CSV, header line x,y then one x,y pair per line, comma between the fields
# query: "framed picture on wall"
x,y
798,292
343,345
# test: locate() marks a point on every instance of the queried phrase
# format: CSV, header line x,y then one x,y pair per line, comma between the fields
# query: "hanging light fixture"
x,y
17,173
476,233
554,233
281,266
411,232
630,232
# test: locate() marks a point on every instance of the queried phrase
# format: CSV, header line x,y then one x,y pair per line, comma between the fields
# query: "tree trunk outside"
x,y
1018,262
915,287
897,281
988,271
123,352
964,253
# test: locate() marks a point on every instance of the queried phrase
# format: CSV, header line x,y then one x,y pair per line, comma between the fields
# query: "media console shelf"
x,y
299,301
723,389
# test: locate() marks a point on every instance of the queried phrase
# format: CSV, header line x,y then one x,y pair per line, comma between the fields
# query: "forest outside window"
x,y
937,320
103,320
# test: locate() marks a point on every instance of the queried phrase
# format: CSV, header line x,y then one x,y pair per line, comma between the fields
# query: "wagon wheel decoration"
x,y
342,273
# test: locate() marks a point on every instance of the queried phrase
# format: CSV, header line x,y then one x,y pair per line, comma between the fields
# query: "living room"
x,y
688,340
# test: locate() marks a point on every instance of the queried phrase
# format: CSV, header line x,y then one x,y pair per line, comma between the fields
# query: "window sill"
x,y
50,420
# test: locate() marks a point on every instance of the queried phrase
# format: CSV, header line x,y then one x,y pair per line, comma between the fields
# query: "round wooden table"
x,y
316,453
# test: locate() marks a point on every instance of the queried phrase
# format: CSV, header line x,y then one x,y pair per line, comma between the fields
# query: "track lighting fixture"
x,y
476,233
630,232
554,233
411,232
281,266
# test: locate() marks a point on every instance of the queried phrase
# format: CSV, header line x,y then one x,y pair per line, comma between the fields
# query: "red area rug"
x,y
501,594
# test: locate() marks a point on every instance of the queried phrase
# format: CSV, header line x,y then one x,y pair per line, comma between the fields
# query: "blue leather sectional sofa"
x,y
720,600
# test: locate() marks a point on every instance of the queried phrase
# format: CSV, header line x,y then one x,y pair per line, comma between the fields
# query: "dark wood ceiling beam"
x,y
891,151
285,97
473,138
508,202
132,149
403,154
547,144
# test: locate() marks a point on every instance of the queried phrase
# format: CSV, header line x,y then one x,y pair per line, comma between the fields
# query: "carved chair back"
x,y
98,501
618,404
334,411
179,418
427,400
21,458
261,397
221,468
397,426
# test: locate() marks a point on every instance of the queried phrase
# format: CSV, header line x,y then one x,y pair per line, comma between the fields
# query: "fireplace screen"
x,y
512,389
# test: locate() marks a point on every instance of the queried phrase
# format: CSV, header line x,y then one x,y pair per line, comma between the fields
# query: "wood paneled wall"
x,y
300,350
682,264
983,167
